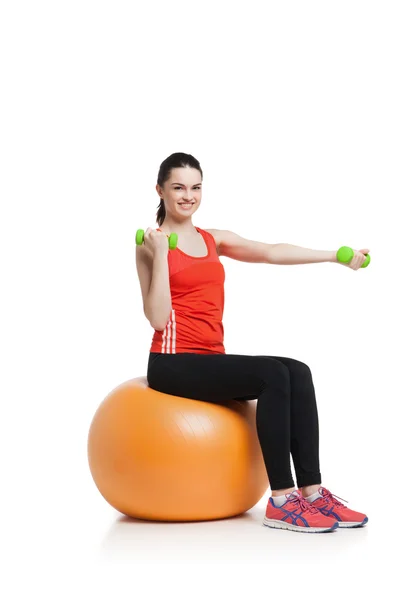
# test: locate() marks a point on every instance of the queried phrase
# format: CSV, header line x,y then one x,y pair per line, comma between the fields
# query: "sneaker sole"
x,y
349,524
277,524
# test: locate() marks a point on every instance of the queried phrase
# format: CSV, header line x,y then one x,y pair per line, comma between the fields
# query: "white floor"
x,y
82,548
240,555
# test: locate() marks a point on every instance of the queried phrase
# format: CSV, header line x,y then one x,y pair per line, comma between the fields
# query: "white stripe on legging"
x,y
167,334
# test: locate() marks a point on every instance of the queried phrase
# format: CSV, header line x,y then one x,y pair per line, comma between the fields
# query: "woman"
x,y
183,298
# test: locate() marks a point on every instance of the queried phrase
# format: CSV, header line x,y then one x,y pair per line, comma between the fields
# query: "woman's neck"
x,y
182,229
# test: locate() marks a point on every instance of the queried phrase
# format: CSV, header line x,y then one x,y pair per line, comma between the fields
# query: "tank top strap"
x,y
210,241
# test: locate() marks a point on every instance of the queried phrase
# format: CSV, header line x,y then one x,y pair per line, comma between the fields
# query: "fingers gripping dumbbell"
x,y
172,239
345,254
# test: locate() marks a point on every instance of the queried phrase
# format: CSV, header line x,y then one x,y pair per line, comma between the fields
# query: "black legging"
x,y
286,416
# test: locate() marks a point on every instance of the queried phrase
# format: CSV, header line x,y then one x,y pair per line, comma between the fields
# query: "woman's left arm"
x,y
288,254
234,246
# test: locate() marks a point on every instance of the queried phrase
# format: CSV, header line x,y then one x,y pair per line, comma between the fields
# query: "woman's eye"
x,y
179,187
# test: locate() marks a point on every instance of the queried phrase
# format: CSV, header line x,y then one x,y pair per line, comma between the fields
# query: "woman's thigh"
x,y
214,376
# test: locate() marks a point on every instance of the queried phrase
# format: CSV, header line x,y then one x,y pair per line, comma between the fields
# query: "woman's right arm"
x,y
154,282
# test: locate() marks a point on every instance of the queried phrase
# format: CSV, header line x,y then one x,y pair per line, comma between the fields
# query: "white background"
x,y
292,109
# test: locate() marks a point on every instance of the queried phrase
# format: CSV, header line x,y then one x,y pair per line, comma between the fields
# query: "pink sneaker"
x,y
329,506
296,514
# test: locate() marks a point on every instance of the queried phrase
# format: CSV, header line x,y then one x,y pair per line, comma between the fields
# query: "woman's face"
x,y
183,185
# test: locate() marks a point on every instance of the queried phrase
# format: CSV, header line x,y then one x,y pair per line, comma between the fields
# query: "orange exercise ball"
x,y
167,458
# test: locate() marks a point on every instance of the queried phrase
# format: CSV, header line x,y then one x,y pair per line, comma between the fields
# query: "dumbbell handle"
x,y
172,239
345,254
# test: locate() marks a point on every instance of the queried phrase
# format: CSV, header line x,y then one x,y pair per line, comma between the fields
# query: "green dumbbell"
x,y
172,239
345,254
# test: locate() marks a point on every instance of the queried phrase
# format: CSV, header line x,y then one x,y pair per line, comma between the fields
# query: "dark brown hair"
x,y
174,161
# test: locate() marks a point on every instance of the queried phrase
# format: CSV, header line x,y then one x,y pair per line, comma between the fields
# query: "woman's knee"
x,y
301,368
274,371
299,371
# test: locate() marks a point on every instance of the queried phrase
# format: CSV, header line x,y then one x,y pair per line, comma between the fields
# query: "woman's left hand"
x,y
357,260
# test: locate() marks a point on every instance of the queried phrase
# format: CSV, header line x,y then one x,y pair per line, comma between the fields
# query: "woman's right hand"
x,y
156,242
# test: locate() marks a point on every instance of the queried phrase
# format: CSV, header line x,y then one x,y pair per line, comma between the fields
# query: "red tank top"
x,y
197,294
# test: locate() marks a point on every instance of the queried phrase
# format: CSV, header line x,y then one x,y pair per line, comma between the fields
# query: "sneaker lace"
x,y
329,497
303,504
